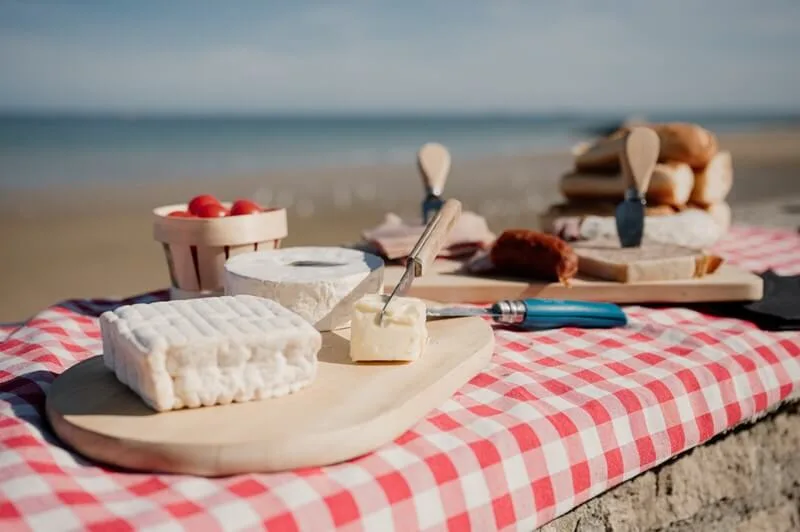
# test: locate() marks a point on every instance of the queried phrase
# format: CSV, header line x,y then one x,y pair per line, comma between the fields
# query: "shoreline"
x,y
774,142
96,241
315,167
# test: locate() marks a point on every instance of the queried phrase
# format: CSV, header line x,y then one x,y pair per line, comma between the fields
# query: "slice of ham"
x,y
395,238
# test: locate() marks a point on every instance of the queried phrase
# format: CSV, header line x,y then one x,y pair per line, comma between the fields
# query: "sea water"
x,y
37,150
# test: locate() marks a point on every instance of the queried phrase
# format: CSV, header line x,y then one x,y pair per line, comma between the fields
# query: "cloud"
x,y
499,55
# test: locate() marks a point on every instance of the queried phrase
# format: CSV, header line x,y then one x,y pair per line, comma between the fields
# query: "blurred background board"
x,y
445,285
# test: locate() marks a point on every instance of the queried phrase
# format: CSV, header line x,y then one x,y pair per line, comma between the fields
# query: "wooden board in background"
x,y
349,410
442,284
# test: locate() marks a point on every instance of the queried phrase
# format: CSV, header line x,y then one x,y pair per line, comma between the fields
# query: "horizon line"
x,y
738,111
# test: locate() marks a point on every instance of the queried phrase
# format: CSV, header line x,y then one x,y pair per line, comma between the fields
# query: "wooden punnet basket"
x,y
197,248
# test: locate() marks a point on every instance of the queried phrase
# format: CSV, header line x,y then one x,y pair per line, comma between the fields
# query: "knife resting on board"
x,y
537,314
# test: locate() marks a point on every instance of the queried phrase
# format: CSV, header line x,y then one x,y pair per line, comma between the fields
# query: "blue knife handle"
x,y
556,313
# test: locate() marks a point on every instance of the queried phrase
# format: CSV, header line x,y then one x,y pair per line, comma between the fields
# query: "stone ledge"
x,y
745,480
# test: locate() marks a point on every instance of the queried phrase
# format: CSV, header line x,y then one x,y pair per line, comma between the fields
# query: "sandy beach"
x,y
96,241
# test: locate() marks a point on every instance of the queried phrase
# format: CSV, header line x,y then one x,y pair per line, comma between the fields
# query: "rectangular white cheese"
x,y
209,351
402,335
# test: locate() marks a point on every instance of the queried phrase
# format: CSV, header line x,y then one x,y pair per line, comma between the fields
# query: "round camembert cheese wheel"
x,y
321,284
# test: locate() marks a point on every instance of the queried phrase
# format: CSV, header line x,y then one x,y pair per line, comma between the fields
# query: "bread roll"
x,y
671,184
680,142
721,213
602,156
687,143
713,183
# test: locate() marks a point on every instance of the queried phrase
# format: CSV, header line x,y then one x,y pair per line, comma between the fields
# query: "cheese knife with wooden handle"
x,y
638,160
426,249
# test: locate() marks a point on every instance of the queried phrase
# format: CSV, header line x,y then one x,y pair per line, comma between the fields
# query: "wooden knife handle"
x,y
435,236
639,157
433,161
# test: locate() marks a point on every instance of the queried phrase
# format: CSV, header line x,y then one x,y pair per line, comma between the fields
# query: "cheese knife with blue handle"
x,y
638,160
538,314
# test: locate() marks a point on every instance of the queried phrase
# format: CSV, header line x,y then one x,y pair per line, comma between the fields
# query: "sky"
x,y
378,56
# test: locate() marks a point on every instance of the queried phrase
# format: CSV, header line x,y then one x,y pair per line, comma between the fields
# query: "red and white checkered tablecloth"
x,y
557,418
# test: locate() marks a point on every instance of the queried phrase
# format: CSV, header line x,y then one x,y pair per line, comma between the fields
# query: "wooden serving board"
x,y
443,284
349,410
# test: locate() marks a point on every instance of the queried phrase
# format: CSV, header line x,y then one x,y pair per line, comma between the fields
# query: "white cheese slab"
x,y
209,351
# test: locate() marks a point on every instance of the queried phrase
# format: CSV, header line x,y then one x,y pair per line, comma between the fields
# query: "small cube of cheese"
x,y
402,335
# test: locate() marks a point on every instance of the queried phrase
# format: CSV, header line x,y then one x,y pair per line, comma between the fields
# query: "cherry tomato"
x,y
198,201
181,214
243,206
211,210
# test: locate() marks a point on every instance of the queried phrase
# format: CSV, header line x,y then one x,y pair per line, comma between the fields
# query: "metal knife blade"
x,y
430,206
426,249
629,218
456,312
405,281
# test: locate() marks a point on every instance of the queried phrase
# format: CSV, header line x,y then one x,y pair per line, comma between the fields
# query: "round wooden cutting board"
x,y
349,410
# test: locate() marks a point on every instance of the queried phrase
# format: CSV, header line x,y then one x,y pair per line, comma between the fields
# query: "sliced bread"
x,y
653,261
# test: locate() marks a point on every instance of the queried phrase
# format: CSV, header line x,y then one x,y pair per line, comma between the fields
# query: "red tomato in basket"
x,y
243,206
198,201
211,210
181,214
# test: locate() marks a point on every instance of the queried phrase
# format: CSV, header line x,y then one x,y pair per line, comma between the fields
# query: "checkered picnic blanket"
x,y
557,418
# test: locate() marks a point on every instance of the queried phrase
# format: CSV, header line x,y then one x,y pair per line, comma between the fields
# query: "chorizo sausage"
x,y
531,254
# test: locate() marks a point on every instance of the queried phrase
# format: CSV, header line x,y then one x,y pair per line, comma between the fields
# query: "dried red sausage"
x,y
531,254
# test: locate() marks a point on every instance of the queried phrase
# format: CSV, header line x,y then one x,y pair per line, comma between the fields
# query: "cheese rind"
x,y
209,351
401,336
321,284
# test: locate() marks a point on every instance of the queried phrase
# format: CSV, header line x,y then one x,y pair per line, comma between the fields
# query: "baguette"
x,y
653,261
671,184
680,142
713,182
